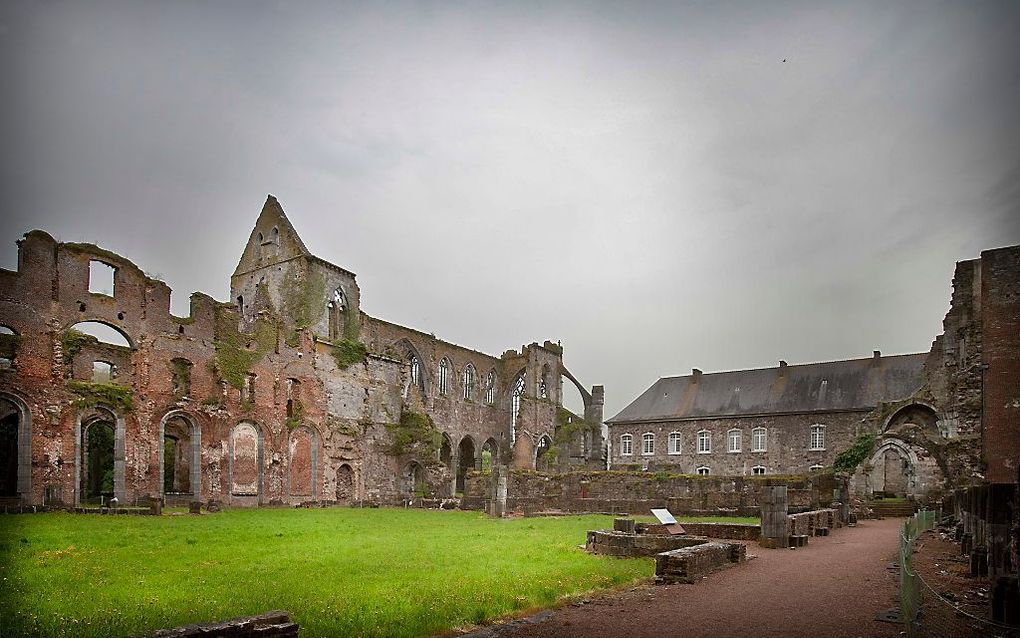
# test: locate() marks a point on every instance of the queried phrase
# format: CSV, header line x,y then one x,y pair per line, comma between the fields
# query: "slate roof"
x,y
830,386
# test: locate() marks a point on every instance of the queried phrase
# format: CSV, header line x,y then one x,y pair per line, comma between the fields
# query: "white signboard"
x,y
664,516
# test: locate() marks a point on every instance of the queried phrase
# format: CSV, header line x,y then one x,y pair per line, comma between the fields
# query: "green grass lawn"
x,y
370,572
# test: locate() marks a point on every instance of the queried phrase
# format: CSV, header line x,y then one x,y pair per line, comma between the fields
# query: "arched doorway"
x,y
414,480
490,454
9,462
466,457
181,457
97,462
446,452
303,454
542,456
344,485
246,461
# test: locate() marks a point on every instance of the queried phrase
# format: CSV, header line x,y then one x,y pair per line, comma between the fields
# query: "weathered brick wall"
x,y
1000,292
787,443
615,491
732,531
302,429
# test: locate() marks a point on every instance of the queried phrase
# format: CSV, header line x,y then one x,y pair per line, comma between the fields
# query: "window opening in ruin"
x,y
444,376
416,372
276,235
704,442
446,452
542,456
101,278
293,398
9,422
733,440
703,471
490,388
337,307
102,372
469,381
180,371
240,305
674,443
626,445
758,469
249,388
817,437
466,454
4,330
543,388
7,358
490,455
344,485
103,333
515,401
758,440
647,444
97,462
6,363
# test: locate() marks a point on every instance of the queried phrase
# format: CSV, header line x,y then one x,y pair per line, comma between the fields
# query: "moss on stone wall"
x,y
304,300
237,352
859,450
89,395
73,341
347,352
414,435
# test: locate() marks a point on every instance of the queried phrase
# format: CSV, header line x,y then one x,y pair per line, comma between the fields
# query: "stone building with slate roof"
x,y
939,420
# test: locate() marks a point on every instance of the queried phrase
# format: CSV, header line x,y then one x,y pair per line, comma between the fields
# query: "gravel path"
x,y
834,587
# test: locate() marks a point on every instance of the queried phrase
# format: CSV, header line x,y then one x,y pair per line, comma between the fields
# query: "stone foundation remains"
x,y
691,564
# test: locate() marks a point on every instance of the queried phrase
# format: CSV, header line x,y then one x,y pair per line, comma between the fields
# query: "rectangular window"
x,y
758,440
758,469
101,278
703,471
704,442
626,445
648,444
817,437
674,443
733,440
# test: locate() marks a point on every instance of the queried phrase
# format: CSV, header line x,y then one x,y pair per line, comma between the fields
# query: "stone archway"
x,y
15,448
466,460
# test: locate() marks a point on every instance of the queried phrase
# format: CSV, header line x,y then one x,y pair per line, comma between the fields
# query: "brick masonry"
x,y
252,389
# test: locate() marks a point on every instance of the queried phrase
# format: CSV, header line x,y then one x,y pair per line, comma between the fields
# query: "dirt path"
x,y
834,587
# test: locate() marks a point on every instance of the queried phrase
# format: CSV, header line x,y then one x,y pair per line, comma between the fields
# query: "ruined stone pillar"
x,y
497,499
774,526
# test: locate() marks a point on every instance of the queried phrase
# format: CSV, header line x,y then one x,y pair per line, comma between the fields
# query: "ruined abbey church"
x,y
288,393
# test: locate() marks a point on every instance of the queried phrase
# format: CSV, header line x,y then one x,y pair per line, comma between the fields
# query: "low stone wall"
x,y
690,564
731,531
637,492
805,523
274,624
613,543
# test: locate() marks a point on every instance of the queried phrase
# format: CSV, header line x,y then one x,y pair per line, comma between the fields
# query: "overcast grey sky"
x,y
661,186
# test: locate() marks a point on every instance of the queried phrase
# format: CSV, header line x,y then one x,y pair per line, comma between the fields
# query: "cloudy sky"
x,y
660,186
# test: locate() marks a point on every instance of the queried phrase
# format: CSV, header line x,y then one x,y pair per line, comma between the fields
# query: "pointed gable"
x,y
272,240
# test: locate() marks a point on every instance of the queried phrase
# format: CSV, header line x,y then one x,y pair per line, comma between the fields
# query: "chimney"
x,y
876,356
782,368
696,374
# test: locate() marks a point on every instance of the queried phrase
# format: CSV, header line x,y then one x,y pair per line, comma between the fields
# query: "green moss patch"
x,y
89,395
859,450
237,352
415,435
347,352
73,341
